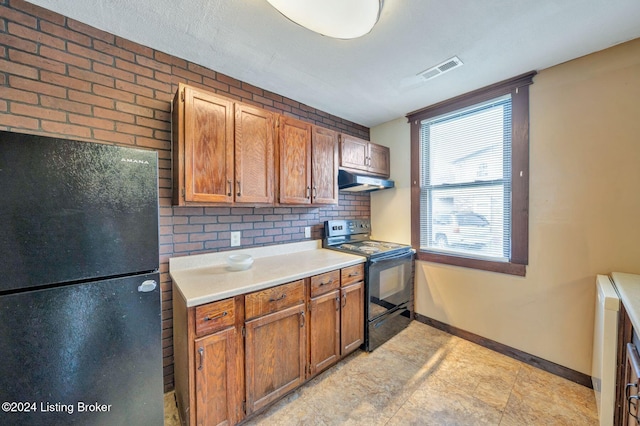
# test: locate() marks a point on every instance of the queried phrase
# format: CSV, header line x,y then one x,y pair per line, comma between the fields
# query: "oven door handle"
x,y
402,255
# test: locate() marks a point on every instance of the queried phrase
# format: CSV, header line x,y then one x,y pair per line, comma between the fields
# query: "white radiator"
x,y
605,342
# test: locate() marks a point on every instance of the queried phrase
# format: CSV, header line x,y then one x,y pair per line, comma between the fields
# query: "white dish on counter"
x,y
239,262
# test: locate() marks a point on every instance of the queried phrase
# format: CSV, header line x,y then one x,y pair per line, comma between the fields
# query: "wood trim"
x,y
477,96
467,262
518,87
543,364
520,176
415,186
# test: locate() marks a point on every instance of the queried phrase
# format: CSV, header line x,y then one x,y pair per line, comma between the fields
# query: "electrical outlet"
x,y
235,238
307,232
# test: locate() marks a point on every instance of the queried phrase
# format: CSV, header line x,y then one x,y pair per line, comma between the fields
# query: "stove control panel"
x,y
335,228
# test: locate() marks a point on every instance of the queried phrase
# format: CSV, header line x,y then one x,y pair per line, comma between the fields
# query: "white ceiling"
x,y
372,79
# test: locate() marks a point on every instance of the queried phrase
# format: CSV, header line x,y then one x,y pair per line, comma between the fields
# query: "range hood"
x,y
351,182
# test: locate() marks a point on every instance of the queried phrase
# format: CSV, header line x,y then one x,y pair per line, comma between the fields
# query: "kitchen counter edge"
x,y
205,278
628,286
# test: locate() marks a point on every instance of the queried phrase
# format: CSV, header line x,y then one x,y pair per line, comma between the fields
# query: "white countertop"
x,y
206,278
628,286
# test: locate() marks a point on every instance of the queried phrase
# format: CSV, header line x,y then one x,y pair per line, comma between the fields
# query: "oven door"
x,y
390,283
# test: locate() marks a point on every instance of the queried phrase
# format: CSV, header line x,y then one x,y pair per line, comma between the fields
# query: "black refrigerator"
x,y
80,308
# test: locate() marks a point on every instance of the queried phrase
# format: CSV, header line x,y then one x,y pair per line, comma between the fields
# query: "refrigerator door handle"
x,y
147,286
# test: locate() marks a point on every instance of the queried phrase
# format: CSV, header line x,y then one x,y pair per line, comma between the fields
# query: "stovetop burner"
x,y
367,249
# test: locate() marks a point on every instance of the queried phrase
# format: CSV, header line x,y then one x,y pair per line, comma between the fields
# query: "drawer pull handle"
x,y
278,298
354,274
201,352
222,315
326,282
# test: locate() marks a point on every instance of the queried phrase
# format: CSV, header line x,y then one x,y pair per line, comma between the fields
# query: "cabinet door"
x,y
625,335
324,331
352,317
275,355
254,155
324,157
208,147
353,152
379,160
219,378
632,381
295,161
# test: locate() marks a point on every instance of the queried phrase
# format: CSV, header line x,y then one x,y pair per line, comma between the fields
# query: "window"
x,y
470,178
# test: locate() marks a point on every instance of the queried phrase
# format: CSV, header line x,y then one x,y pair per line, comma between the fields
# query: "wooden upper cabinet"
x,y
254,155
354,152
379,158
208,147
363,156
324,157
295,161
223,151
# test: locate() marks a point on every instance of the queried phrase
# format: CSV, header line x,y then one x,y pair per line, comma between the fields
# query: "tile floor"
x,y
424,376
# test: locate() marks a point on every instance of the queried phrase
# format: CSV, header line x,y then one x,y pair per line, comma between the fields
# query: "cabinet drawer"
x,y
215,316
273,299
324,283
352,274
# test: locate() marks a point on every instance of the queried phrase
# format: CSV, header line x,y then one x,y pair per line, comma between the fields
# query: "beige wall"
x,y
584,213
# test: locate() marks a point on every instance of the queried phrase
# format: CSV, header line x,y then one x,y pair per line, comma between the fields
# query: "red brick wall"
x,y
62,78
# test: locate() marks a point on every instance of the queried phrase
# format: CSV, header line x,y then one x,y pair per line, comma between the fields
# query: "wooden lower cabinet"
x,y
235,356
324,331
625,336
275,355
219,378
352,317
632,381
209,361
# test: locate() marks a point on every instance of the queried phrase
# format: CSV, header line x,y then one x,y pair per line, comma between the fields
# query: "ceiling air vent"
x,y
440,69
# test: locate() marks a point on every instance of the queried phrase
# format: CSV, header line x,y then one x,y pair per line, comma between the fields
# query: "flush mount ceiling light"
x,y
342,19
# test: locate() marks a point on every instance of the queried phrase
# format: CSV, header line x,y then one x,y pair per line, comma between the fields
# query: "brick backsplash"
x,y
62,78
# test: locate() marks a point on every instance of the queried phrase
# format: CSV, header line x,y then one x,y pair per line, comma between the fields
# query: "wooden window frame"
x,y
518,87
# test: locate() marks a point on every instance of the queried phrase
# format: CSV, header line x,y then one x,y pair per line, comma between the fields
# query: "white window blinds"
x,y
465,181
